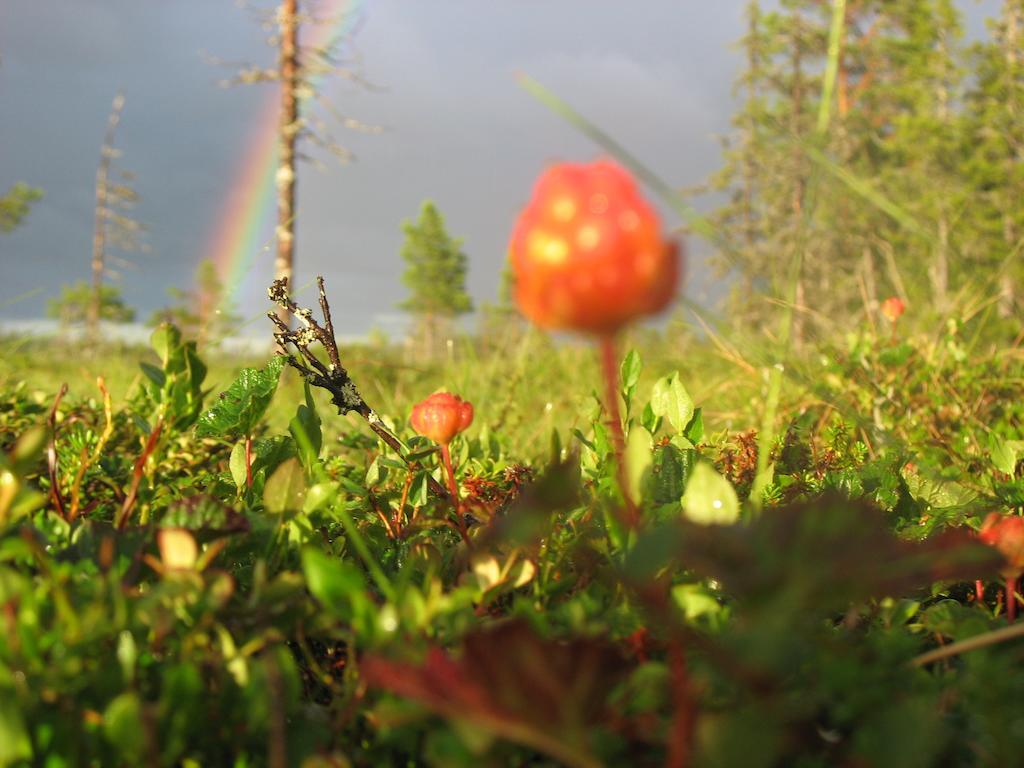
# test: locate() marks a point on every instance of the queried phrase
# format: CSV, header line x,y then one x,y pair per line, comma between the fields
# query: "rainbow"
x,y
244,227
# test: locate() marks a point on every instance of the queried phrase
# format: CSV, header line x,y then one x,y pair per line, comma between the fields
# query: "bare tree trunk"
x,y
99,234
428,338
288,129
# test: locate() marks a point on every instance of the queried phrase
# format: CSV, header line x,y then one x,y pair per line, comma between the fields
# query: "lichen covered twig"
x,y
332,375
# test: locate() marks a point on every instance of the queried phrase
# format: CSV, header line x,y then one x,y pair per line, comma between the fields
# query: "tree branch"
x,y
332,377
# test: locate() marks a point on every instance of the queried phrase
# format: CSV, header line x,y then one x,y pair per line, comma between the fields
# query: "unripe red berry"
x,y
892,308
441,417
1006,534
588,253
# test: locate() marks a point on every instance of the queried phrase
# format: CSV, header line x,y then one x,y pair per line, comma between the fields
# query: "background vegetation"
x,y
202,564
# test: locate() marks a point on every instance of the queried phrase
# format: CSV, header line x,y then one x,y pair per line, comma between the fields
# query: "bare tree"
x,y
114,227
299,71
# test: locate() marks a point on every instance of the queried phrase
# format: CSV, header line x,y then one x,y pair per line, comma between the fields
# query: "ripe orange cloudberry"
x,y
588,253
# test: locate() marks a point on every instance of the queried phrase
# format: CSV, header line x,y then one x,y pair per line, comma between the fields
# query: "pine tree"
x,y
995,148
15,205
114,227
77,304
435,274
501,322
913,154
766,172
200,312
894,122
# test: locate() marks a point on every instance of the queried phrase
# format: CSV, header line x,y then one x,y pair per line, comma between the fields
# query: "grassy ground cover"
x,y
168,600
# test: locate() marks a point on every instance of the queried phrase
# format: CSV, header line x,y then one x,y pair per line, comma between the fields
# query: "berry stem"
x,y
248,461
979,591
453,489
610,369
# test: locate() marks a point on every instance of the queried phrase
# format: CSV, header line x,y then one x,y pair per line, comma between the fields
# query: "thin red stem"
x,y
610,370
1011,600
979,591
680,737
248,461
137,472
453,489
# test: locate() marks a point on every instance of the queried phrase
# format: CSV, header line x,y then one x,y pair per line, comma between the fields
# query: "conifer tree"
x,y
894,123
766,171
995,149
77,304
914,145
435,274
15,205
200,312
114,228
501,322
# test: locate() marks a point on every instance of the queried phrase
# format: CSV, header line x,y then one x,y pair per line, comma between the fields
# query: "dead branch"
x,y
331,376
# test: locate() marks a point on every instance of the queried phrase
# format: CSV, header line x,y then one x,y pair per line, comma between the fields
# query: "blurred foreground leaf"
x,y
543,693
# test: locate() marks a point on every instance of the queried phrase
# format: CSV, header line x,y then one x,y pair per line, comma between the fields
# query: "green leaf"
x,y
14,741
669,472
237,465
375,473
419,491
340,587
670,399
270,453
175,389
122,725
649,419
709,498
305,430
694,431
1011,493
630,372
331,581
556,444
28,450
1005,454
285,490
936,492
695,600
164,340
638,460
240,409
202,513
319,496
154,374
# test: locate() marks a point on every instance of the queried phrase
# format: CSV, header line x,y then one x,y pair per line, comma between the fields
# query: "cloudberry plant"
x,y
588,255
441,417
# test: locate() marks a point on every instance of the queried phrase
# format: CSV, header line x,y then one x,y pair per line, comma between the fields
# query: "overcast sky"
x,y
657,74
